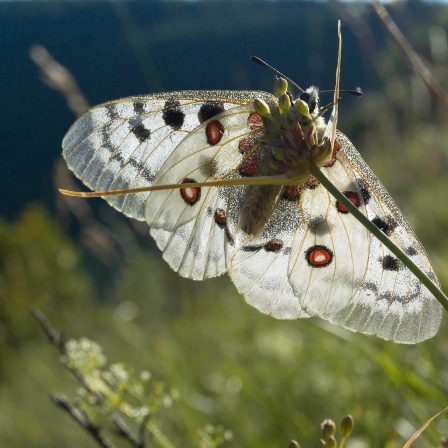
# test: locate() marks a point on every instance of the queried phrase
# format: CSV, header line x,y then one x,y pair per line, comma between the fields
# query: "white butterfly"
x,y
292,251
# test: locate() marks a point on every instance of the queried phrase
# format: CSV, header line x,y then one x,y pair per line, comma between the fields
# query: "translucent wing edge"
x,y
367,175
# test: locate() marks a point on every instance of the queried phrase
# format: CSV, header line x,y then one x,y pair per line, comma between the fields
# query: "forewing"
x,y
122,144
189,223
391,303
363,287
330,251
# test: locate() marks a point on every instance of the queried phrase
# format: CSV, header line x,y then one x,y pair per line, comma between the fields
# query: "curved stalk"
x,y
372,228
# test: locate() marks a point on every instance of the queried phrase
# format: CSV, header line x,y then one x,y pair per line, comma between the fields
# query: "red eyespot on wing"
x,y
319,256
249,167
220,217
291,193
190,195
221,221
214,132
336,148
312,183
273,246
246,144
353,197
254,121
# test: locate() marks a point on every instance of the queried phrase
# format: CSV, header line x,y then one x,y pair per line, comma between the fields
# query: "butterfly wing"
x,y
189,224
311,258
258,265
330,250
123,143
342,273
393,305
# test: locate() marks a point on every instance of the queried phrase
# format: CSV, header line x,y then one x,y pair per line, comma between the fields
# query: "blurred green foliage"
x,y
267,381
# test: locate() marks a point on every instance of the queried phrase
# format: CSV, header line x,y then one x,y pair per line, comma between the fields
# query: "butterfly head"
x,y
293,131
311,97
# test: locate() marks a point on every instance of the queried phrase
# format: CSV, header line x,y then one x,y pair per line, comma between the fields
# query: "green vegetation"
x,y
267,381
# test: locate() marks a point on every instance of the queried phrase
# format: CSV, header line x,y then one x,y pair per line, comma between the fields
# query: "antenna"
x,y
259,61
356,92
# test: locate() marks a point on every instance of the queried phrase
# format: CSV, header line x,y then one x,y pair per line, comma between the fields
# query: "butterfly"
x,y
227,203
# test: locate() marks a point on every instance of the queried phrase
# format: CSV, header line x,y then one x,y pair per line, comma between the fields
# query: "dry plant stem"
x,y
59,78
57,340
63,403
336,92
372,228
142,432
422,428
261,180
417,64
123,431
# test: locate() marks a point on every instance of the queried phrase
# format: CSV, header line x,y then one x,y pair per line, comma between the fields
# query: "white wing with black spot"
x,y
292,252
342,273
258,265
391,302
330,251
189,224
123,143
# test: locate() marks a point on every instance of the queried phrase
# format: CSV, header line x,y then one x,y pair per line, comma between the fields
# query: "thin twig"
x,y
422,428
124,432
54,336
96,237
56,339
416,62
82,419
59,78
142,431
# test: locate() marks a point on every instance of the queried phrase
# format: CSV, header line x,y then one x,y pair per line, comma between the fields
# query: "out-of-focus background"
x,y
96,274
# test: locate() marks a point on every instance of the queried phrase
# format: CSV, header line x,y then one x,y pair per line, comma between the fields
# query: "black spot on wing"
x,y
252,248
386,225
134,163
410,251
111,111
105,139
208,168
141,132
371,286
173,115
209,110
318,226
139,107
365,193
118,157
147,175
390,263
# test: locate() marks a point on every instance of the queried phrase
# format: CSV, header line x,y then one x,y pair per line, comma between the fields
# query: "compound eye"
x,y
312,105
